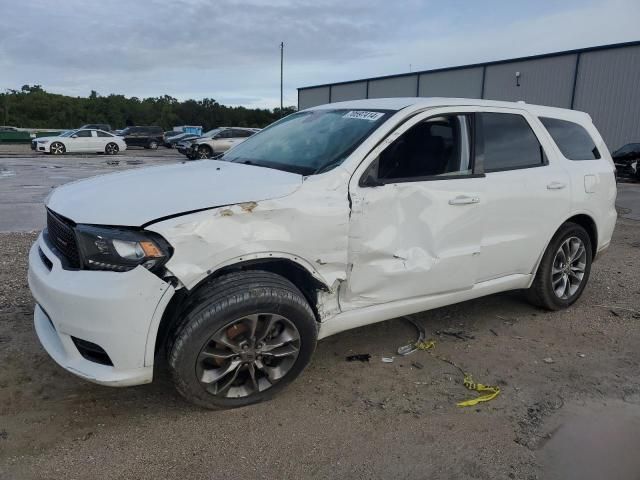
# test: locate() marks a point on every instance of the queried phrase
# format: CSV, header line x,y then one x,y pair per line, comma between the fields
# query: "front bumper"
x,y
119,312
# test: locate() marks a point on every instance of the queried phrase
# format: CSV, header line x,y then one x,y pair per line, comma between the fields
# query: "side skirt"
x,y
378,313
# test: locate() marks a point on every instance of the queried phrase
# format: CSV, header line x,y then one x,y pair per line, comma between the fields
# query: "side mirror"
x,y
74,136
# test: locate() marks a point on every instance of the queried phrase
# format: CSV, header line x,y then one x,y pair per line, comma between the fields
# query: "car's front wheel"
x,y
204,152
243,339
564,269
57,148
153,145
111,148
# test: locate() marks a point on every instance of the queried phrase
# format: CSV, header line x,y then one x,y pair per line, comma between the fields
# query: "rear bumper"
x,y
119,312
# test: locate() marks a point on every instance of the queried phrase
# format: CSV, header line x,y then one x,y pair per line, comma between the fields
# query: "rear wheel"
x,y
564,270
243,339
111,148
57,148
153,145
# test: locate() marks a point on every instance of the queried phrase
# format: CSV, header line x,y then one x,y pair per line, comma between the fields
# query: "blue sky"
x,y
229,49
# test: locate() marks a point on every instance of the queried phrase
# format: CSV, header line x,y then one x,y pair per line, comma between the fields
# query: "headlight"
x,y
120,249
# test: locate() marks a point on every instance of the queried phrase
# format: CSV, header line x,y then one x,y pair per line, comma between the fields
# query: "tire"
x,y
57,148
153,145
552,287
221,315
111,148
204,152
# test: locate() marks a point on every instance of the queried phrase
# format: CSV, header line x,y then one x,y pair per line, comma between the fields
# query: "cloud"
x,y
229,49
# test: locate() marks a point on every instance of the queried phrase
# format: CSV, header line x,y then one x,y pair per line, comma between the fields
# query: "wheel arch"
x,y
587,222
307,281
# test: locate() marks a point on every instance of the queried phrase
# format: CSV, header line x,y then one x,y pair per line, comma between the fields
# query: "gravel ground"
x,y
567,379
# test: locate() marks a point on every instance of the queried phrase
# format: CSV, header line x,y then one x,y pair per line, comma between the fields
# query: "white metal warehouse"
x,y
603,81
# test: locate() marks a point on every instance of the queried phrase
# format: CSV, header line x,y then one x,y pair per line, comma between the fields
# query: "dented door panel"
x,y
407,240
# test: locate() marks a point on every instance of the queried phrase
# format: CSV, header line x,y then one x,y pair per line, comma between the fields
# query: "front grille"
x,y
92,352
61,235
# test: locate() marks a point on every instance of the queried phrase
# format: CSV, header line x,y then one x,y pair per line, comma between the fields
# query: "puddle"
x,y
7,173
594,442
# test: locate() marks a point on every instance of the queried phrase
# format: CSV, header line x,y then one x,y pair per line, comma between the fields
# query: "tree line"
x,y
33,107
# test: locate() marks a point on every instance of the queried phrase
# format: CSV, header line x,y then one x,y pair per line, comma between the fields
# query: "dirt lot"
x,y
570,398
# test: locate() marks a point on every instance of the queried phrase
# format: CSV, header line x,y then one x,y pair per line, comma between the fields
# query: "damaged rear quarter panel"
x,y
309,227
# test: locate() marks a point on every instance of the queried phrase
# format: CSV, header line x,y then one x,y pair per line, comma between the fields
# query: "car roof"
x,y
418,103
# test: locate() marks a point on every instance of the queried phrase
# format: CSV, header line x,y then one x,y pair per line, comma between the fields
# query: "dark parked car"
x,y
172,141
627,160
96,126
147,137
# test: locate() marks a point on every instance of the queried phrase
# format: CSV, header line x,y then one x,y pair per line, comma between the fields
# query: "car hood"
x,y
48,138
141,196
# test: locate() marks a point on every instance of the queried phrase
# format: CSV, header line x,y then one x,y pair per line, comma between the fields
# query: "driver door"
x,y
80,141
417,213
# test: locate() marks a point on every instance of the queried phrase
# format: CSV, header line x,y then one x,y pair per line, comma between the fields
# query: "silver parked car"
x,y
218,141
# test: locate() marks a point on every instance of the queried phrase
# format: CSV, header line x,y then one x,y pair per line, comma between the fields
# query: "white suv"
x,y
332,218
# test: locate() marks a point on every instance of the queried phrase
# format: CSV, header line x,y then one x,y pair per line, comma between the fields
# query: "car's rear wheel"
x,y
564,269
111,148
204,151
243,339
57,148
153,145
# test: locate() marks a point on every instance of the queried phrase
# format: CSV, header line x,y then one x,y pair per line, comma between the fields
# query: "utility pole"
x,y
281,74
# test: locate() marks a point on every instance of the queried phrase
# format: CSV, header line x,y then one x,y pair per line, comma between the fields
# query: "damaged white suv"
x,y
332,218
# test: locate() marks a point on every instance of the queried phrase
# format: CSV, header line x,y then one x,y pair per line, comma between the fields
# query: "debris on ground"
x,y
461,334
417,365
360,357
548,360
412,347
388,359
493,331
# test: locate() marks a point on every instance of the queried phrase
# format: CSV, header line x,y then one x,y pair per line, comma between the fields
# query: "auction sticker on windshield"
x,y
363,115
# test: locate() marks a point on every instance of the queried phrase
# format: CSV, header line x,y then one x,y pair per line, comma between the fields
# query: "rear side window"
x,y
572,139
242,133
509,142
104,134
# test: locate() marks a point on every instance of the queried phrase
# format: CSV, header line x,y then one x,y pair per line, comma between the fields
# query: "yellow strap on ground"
x,y
428,345
491,392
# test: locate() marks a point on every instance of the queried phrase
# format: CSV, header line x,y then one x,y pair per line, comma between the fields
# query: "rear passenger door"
x,y
527,195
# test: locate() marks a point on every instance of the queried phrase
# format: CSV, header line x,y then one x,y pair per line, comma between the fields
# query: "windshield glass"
x,y
68,133
308,142
211,133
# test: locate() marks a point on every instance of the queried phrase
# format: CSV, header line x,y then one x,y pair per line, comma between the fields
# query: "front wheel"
x,y
153,145
564,269
111,148
204,152
57,148
243,339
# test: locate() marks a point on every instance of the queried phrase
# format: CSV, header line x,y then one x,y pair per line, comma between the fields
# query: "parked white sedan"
x,y
82,140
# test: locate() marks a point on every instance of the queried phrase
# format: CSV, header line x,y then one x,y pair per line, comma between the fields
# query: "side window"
x,y
572,139
225,134
104,134
509,142
83,133
241,133
437,147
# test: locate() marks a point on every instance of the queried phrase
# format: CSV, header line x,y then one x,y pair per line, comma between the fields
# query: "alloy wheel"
x,y
248,356
112,149
568,269
57,148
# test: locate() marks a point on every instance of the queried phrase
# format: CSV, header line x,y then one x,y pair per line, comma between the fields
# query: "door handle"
x,y
464,200
556,186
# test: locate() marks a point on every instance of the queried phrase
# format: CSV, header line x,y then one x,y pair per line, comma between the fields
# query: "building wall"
x,y
607,86
310,97
547,81
406,86
462,83
349,91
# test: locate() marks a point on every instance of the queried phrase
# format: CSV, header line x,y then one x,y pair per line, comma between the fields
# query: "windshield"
x,y
308,142
211,133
